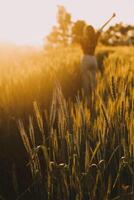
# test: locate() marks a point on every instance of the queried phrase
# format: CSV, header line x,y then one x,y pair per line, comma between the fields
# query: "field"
x,y
52,145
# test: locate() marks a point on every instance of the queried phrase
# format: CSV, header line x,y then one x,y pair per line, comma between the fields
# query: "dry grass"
x,y
74,152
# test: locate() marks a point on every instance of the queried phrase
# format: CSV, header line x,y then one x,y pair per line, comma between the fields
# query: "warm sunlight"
x,y
28,21
66,99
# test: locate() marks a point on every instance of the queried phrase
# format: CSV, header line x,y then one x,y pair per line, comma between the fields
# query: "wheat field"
x,y
53,146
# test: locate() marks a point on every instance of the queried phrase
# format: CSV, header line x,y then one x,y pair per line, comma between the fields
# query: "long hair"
x,y
88,31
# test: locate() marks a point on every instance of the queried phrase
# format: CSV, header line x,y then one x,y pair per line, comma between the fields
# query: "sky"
x,y
29,21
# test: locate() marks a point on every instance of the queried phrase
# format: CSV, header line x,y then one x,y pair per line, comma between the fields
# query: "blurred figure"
x,y
89,65
89,62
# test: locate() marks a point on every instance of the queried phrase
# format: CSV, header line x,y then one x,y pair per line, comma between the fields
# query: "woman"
x,y
89,62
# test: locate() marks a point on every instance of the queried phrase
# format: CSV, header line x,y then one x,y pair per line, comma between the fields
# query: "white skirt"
x,y
88,69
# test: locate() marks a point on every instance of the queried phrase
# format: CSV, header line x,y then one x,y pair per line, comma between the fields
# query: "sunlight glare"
x,y
29,21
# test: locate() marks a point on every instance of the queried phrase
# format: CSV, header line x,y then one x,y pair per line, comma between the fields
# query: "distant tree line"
x,y
67,32
119,34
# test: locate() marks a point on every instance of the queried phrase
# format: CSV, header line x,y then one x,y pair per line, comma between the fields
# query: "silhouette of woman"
x,y
89,65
